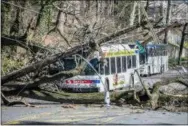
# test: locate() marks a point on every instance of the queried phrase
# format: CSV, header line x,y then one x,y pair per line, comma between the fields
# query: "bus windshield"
x,y
89,70
69,64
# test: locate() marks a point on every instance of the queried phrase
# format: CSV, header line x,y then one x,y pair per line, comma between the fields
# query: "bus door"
x,y
119,79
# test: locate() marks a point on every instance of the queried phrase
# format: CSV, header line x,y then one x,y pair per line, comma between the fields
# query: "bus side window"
x,y
150,52
134,61
129,61
124,67
166,51
113,65
156,52
107,66
153,52
101,69
69,63
118,59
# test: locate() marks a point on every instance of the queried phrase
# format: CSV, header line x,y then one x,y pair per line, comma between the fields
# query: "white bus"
x,y
155,60
115,68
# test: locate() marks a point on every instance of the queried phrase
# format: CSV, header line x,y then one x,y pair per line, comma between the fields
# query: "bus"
x,y
114,67
155,60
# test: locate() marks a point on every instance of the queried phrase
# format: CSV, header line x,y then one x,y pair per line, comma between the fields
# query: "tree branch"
x,y
174,25
9,40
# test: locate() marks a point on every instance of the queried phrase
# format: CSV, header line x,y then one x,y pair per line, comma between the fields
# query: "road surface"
x,y
92,115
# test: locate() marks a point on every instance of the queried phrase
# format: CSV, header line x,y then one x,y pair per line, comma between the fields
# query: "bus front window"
x,y
89,70
69,63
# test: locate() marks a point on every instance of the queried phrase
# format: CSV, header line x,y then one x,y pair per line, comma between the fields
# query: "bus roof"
x,y
115,47
156,45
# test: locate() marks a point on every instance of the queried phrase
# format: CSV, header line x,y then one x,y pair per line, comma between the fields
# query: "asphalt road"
x,y
95,115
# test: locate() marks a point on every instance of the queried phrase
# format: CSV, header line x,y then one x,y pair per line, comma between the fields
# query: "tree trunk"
x,y
139,13
182,43
87,6
132,16
147,6
162,12
167,21
96,8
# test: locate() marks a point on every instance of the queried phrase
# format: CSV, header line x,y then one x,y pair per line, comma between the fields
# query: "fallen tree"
x,y
91,46
154,95
33,67
11,103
